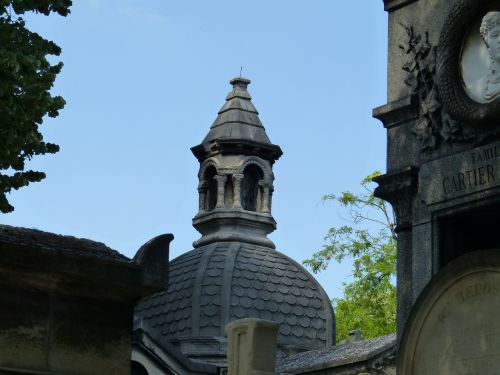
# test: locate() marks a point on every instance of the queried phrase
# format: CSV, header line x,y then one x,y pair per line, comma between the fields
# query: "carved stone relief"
x,y
435,124
467,78
436,340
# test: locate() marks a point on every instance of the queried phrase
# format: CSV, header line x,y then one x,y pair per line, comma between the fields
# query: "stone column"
x,y
221,184
251,347
266,185
399,189
237,190
202,194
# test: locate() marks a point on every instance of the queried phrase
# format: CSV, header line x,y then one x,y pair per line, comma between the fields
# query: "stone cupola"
x,y
235,177
234,271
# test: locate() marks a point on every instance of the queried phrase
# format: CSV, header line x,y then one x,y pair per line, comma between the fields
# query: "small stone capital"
x,y
238,176
220,177
398,189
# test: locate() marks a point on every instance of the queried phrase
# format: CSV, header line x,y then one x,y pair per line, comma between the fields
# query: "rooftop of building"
x,y
352,353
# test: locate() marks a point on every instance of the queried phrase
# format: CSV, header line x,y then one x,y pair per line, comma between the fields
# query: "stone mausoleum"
x,y
235,272
443,181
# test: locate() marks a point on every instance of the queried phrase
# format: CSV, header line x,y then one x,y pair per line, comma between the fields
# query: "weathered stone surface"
x,y
160,357
214,285
235,178
58,244
462,174
454,327
234,272
67,303
238,127
392,5
251,347
350,358
441,127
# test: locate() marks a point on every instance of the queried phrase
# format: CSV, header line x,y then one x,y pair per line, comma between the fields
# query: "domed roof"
x,y
226,281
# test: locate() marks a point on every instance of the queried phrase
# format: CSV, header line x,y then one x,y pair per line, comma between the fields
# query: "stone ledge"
x,y
397,112
392,5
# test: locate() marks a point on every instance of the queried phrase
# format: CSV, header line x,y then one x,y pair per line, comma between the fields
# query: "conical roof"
x,y
237,124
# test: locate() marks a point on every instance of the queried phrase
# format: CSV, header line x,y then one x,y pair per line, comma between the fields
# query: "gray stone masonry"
x,y
67,303
443,150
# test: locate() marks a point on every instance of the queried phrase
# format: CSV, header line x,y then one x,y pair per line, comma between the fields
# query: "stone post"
x,y
251,347
221,184
237,190
202,193
266,185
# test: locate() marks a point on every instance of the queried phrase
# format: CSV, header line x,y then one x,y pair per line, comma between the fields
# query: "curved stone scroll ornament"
x,y
453,95
434,124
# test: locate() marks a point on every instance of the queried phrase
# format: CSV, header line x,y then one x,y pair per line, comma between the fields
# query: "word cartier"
x,y
474,177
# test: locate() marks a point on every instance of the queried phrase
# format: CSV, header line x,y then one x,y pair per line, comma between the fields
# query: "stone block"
x,y
251,347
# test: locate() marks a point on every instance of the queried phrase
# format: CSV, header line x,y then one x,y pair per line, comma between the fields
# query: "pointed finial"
x,y
241,70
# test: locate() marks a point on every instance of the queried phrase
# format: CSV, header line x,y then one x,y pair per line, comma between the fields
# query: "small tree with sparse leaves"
x,y
369,301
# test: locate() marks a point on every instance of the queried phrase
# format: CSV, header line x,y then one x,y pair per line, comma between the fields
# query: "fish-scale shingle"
x,y
258,282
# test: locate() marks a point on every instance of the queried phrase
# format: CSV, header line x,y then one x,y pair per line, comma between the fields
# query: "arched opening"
x,y
137,368
250,189
211,186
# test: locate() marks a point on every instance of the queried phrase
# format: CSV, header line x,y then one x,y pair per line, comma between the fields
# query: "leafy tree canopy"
x,y
26,77
369,301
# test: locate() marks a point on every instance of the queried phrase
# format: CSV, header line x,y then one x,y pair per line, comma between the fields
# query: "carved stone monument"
x,y
443,181
454,328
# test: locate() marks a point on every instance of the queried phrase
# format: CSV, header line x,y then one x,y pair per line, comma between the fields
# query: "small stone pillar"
x,y
266,185
237,190
221,184
202,193
251,347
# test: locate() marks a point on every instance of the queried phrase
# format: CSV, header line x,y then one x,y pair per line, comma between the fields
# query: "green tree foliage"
x,y
369,301
26,77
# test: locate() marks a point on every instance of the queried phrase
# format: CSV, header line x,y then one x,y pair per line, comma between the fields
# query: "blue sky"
x,y
143,81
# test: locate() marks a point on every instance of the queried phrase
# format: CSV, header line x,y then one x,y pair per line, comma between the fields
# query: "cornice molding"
x,y
392,5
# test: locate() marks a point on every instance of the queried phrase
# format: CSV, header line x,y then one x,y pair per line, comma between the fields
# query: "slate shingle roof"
x,y
222,282
238,119
336,356
58,244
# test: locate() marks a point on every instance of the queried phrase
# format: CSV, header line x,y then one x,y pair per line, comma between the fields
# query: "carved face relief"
x,y
490,30
470,40
493,43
